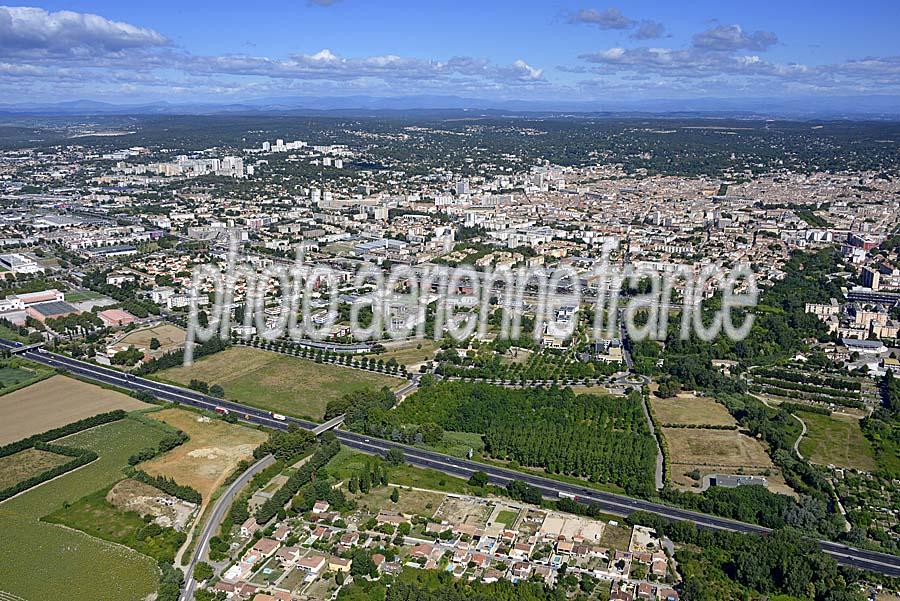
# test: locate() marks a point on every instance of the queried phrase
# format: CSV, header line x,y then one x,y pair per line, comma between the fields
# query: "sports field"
x,y
214,450
63,563
55,402
836,440
276,382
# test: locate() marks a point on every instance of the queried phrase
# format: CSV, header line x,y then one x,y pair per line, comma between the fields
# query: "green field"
x,y
98,517
507,517
459,443
276,382
18,373
25,464
836,440
46,561
347,463
82,295
10,334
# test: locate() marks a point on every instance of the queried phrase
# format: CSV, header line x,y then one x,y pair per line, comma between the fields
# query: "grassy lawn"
x,y
459,443
46,561
82,295
10,376
96,516
347,463
836,440
10,334
506,517
25,464
276,382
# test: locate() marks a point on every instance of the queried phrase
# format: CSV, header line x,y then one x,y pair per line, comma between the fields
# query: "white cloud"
x,y
35,31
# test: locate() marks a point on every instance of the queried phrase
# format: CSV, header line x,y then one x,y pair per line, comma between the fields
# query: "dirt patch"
x,y
167,511
726,448
719,452
214,450
464,511
170,338
55,402
689,409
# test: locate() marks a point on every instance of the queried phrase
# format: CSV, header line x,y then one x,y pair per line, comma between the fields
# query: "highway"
x,y
608,502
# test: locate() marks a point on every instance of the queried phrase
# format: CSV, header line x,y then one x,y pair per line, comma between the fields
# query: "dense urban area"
x,y
547,466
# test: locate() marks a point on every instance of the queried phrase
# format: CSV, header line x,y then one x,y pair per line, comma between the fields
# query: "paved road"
x,y
223,504
608,502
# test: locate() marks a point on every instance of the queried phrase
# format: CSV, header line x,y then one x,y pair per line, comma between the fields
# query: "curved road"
x,y
223,504
608,502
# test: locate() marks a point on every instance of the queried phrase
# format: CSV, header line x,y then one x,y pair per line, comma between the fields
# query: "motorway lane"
x,y
612,503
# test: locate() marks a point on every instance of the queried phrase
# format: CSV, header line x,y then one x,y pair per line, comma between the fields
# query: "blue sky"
x,y
228,51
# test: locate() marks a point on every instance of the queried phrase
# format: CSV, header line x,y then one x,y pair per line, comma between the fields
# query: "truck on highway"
x,y
221,410
565,495
279,417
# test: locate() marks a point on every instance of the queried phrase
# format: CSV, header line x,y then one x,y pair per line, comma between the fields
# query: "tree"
x,y
478,479
217,391
395,495
394,456
203,571
154,344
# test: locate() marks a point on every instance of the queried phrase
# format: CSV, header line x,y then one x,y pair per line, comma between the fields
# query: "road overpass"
x,y
609,502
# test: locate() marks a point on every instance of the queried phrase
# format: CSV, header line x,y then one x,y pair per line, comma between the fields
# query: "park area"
x,y
55,402
836,440
275,382
686,408
62,563
214,450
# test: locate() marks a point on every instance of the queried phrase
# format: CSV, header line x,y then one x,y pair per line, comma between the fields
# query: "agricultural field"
x,y
170,338
25,464
214,450
55,402
718,452
836,440
64,564
276,382
686,408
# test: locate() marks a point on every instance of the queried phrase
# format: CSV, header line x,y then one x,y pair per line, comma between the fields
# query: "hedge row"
x,y
811,388
79,457
703,426
298,479
794,407
792,376
82,424
169,486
